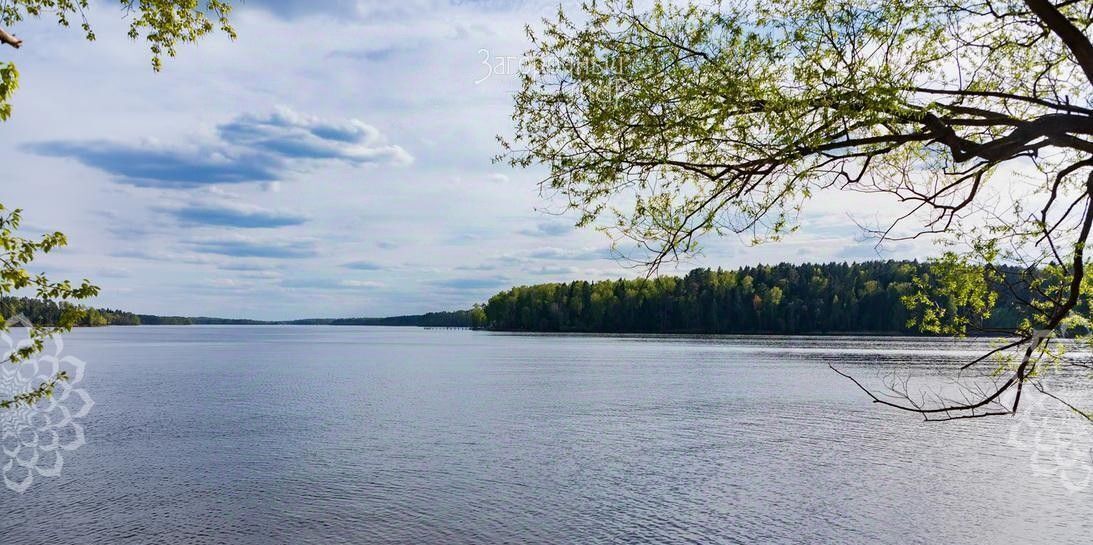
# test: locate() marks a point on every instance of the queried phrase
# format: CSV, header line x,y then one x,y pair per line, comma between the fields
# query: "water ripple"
x,y
240,435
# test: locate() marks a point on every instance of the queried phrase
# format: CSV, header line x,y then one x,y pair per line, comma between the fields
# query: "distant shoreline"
x,y
594,333
839,298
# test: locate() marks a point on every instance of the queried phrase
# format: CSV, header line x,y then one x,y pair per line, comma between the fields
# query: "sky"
x,y
333,161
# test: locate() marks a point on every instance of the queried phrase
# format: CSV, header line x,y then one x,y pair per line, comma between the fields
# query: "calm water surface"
x,y
326,435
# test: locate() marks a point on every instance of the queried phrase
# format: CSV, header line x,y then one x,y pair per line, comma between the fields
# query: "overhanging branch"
x,y
9,39
1075,40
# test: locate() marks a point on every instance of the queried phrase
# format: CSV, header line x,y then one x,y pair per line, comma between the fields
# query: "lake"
x,y
325,435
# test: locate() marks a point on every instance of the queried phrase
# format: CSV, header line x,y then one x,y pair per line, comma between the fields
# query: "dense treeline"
x,y
48,313
785,298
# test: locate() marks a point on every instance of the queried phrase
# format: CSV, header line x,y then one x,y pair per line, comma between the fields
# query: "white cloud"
x,y
285,133
362,284
248,149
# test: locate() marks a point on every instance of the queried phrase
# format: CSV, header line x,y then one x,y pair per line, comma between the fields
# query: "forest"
x,y
786,298
47,313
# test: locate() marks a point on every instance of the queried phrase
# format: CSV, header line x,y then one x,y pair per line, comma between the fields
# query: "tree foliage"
x,y
667,124
162,24
17,253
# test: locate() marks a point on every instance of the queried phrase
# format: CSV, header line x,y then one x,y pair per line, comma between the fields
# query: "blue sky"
x,y
334,161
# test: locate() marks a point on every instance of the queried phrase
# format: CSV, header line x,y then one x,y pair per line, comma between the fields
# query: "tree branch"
x,y
1074,39
9,39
